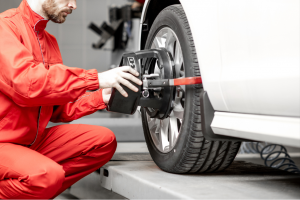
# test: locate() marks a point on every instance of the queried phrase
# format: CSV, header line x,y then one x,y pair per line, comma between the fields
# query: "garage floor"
x,y
138,177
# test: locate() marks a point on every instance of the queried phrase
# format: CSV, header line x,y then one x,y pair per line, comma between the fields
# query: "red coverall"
x,y
141,1
35,88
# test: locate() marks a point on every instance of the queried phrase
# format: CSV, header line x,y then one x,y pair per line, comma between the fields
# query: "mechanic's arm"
x,y
86,104
93,101
30,84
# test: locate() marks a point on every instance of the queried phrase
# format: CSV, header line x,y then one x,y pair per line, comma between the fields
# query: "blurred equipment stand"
x,y
120,34
122,29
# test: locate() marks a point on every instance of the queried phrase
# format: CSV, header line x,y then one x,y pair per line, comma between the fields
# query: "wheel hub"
x,y
155,71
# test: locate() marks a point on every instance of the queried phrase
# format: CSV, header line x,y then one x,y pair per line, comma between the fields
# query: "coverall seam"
x,y
5,144
82,152
14,171
31,98
3,121
85,155
83,97
8,17
15,196
80,98
20,175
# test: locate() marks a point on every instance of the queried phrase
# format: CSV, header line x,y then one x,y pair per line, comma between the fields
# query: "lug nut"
x,y
145,93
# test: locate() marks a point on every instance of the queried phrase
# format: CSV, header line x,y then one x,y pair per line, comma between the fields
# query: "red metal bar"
x,y
187,81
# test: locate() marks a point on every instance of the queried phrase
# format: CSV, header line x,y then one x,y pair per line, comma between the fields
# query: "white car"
x,y
247,53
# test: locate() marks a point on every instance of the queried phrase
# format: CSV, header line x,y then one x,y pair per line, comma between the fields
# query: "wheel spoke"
x,y
151,124
156,43
164,130
170,40
158,128
154,128
156,69
181,73
178,111
173,131
178,60
182,88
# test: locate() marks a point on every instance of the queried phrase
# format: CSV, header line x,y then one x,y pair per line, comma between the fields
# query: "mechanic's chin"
x,y
61,18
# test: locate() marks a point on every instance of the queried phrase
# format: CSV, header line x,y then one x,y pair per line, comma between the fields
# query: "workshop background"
x,y
75,40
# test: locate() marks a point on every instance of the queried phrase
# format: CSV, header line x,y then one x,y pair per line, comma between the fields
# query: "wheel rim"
x,y
165,133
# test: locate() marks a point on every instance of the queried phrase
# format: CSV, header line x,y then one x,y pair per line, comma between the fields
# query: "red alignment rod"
x,y
186,81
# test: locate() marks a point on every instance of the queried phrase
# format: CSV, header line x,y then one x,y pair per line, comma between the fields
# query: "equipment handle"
x,y
174,82
186,81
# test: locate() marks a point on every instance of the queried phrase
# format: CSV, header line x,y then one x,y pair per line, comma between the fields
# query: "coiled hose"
x,y
274,155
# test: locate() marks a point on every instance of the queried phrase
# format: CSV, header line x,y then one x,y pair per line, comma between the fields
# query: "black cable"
x,y
274,155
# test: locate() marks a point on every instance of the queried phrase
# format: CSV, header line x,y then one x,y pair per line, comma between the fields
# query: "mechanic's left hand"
x,y
106,93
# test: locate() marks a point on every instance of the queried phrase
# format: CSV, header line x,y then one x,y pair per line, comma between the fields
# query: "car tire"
x,y
192,153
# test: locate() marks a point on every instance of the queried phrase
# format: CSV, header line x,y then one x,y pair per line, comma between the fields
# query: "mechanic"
x,y
35,88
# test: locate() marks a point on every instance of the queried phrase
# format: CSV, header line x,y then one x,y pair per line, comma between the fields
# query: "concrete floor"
x,y
242,180
90,186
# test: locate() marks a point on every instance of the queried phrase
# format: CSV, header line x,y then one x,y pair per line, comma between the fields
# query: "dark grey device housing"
x,y
128,105
119,103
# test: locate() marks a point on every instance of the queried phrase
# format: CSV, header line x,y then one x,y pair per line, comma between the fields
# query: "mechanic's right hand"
x,y
115,77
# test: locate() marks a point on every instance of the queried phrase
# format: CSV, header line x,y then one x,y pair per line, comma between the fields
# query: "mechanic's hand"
x,y
114,77
106,93
135,5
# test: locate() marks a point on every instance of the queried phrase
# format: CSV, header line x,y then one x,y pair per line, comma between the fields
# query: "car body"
x,y
249,57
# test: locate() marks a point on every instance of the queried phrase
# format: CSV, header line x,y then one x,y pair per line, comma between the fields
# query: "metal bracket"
x,y
145,80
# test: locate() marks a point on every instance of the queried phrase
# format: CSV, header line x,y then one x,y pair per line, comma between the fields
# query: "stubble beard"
x,y
54,13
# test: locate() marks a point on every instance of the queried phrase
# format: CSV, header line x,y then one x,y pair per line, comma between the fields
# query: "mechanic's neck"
x,y
36,6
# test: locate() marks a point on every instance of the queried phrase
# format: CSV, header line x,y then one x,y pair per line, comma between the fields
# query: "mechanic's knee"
x,y
46,181
107,137
110,146
112,142
104,143
111,138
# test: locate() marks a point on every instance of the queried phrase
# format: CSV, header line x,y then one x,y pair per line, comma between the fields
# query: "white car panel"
x,y
248,53
278,130
203,19
259,42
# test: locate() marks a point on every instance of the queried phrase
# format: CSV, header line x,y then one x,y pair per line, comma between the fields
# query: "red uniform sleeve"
x,y
86,104
141,1
29,84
